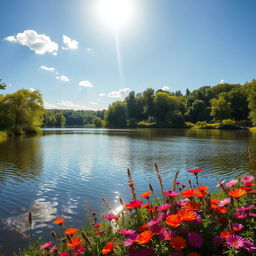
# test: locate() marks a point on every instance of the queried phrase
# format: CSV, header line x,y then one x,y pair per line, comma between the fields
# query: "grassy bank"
x,y
253,129
3,136
184,220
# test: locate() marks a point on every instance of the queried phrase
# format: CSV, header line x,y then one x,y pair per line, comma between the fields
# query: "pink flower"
x,y
224,202
127,232
45,246
246,208
240,215
237,227
231,183
53,249
171,193
163,207
166,235
154,221
195,239
111,217
78,250
156,229
246,179
130,240
220,183
235,241
63,254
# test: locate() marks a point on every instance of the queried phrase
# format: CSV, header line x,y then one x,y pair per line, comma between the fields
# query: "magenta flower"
x,y
217,240
127,232
111,217
182,202
251,214
154,221
220,183
246,208
195,239
249,246
166,235
235,241
78,250
163,207
63,254
171,193
175,254
45,246
156,229
240,215
246,179
53,249
231,183
237,227
130,240
224,202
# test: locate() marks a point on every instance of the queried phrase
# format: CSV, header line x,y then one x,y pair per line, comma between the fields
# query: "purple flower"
x,y
237,227
195,239
154,221
246,179
127,232
163,207
45,246
249,246
171,193
130,240
235,241
166,235
246,208
224,202
156,229
240,215
217,240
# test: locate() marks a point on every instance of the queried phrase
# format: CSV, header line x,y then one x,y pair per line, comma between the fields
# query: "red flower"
x,y
59,221
178,243
188,192
144,237
108,248
146,194
133,204
195,171
75,241
173,220
71,231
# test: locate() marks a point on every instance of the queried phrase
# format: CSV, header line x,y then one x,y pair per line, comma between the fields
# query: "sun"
x,y
115,13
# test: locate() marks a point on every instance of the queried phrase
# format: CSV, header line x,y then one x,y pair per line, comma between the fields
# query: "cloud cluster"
x,y
39,43
49,69
62,78
67,104
166,88
85,84
121,93
69,43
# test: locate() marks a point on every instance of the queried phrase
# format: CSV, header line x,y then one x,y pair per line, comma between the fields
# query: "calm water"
x,y
66,172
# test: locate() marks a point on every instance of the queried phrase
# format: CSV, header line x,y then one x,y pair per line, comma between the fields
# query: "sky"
x,y
85,54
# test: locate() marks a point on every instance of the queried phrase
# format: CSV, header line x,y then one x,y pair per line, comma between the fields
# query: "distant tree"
x,y
49,119
221,107
198,111
252,101
97,122
187,92
148,97
116,115
2,85
60,119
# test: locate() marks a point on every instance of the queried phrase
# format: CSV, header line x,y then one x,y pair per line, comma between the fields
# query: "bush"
x,y
228,124
143,124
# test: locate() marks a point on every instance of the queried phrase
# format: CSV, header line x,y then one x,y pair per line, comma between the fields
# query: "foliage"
x,y
21,112
143,124
3,136
184,222
116,115
2,85
97,122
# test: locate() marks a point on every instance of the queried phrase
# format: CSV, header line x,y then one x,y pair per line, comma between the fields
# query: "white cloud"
x,y
102,94
86,84
39,43
90,50
31,89
49,106
93,103
121,93
166,88
221,81
50,69
69,43
62,78
66,104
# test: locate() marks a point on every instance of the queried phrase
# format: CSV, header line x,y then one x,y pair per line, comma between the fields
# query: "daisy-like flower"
x,y
235,241
108,248
163,207
166,235
171,193
195,171
224,202
178,243
237,227
154,221
231,183
249,246
237,193
246,208
246,179
127,232
53,249
78,250
157,229
220,183
240,215
133,204
63,254
130,240
144,237
111,217
195,239
100,231
45,246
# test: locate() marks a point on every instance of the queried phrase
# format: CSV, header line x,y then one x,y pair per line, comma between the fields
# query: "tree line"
x,y
173,109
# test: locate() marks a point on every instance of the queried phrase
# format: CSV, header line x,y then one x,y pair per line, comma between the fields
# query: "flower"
x,y
111,217
240,215
187,215
202,188
171,193
45,246
108,248
144,237
220,183
225,234
237,192
188,192
78,250
163,207
195,171
195,239
145,205
178,243
75,241
71,231
166,235
237,227
130,240
63,254
146,194
246,208
127,232
231,183
224,202
133,204
193,206
53,249
59,221
235,241
99,231
246,179
173,220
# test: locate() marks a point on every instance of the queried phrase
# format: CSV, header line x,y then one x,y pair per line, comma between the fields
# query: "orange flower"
x,y
108,248
178,243
194,254
146,194
71,231
237,192
145,205
192,206
221,210
201,194
187,215
144,237
173,220
75,241
188,193
215,201
59,221
142,227
225,234
202,188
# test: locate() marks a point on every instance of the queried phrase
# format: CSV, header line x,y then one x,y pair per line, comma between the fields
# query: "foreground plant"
x,y
187,222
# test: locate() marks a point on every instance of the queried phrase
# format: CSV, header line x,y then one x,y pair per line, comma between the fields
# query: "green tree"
x,y
2,85
221,107
116,115
198,111
148,97
60,119
252,102
21,112
97,122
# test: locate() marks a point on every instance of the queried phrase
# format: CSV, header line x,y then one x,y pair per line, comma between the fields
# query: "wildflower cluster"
x,y
186,221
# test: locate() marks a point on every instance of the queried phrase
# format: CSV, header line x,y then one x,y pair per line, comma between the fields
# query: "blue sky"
x,y
70,53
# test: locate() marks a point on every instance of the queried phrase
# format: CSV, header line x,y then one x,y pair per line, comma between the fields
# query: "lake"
x,y
67,172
